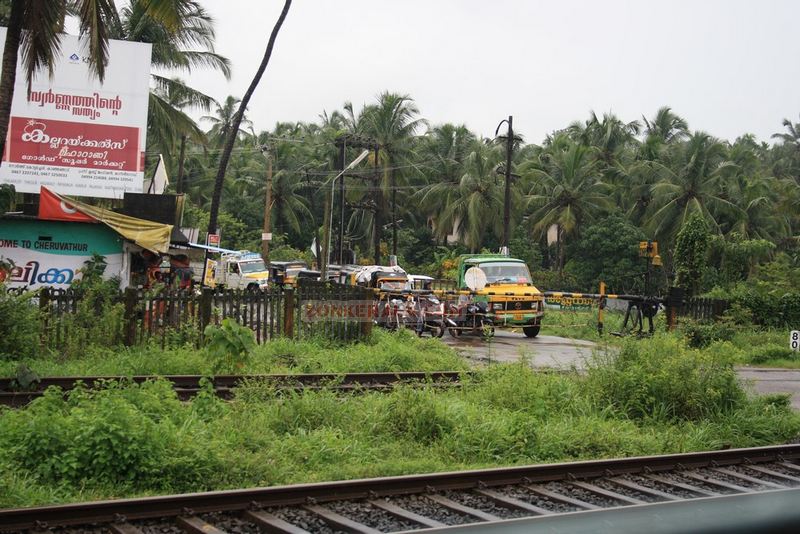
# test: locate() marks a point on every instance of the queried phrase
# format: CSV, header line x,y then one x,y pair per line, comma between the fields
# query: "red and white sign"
x,y
52,208
74,134
212,240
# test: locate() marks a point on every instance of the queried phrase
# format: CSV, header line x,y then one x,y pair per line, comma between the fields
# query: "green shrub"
x,y
770,352
20,326
98,317
757,303
700,334
664,379
129,436
129,440
229,345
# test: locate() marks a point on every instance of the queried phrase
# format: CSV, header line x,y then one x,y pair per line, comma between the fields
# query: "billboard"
x,y
46,253
76,135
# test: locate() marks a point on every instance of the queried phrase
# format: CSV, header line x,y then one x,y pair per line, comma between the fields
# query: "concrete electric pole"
x,y
266,236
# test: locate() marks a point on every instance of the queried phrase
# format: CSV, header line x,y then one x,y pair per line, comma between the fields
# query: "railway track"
x,y
540,494
187,386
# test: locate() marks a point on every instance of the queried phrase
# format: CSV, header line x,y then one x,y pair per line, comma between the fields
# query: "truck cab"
x,y
242,270
286,273
505,285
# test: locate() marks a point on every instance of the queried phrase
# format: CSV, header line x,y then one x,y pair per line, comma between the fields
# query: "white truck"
x,y
240,270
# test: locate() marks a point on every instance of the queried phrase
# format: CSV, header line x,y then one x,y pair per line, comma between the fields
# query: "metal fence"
x,y
333,311
136,316
703,308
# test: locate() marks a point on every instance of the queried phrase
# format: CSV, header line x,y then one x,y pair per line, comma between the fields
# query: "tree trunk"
x,y
8,71
237,119
181,156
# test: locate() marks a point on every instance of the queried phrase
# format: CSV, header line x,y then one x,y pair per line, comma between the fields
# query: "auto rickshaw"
x,y
284,273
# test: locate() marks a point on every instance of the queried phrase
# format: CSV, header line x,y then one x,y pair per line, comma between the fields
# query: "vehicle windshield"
x,y
255,266
392,285
498,272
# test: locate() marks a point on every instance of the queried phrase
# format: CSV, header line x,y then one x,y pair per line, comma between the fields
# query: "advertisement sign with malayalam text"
x,y
51,253
76,135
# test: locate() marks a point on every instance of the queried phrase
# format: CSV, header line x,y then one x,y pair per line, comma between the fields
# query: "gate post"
x,y
129,298
601,305
205,308
366,322
674,304
288,312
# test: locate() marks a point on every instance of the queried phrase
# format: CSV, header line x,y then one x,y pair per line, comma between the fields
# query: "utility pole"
x,y
265,236
326,234
394,211
507,201
342,154
376,218
317,251
179,185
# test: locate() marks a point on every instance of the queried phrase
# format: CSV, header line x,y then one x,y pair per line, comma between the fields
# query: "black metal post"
x,y
507,198
342,155
394,213
377,219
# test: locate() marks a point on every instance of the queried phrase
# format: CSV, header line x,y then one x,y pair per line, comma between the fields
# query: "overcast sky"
x,y
728,67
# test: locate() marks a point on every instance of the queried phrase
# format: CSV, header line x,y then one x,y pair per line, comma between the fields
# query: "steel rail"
x,y
188,385
117,514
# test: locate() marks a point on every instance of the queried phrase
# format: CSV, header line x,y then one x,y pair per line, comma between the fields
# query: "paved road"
x,y
564,353
766,380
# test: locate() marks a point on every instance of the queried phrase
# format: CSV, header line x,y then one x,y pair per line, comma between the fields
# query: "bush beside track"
x,y
141,440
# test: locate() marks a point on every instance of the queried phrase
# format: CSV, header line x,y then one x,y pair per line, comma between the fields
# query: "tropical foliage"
x,y
624,180
433,191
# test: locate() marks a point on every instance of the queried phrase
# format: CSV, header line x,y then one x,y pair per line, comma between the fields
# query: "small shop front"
x,y
51,253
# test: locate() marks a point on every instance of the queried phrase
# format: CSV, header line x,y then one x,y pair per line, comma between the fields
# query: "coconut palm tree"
x,y
169,128
792,136
666,126
289,207
35,28
239,116
788,152
223,119
690,180
392,122
182,48
610,136
444,150
568,191
476,200
757,217
664,129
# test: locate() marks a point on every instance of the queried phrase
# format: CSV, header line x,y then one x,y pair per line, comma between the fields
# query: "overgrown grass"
x,y
751,346
657,397
402,351
663,378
